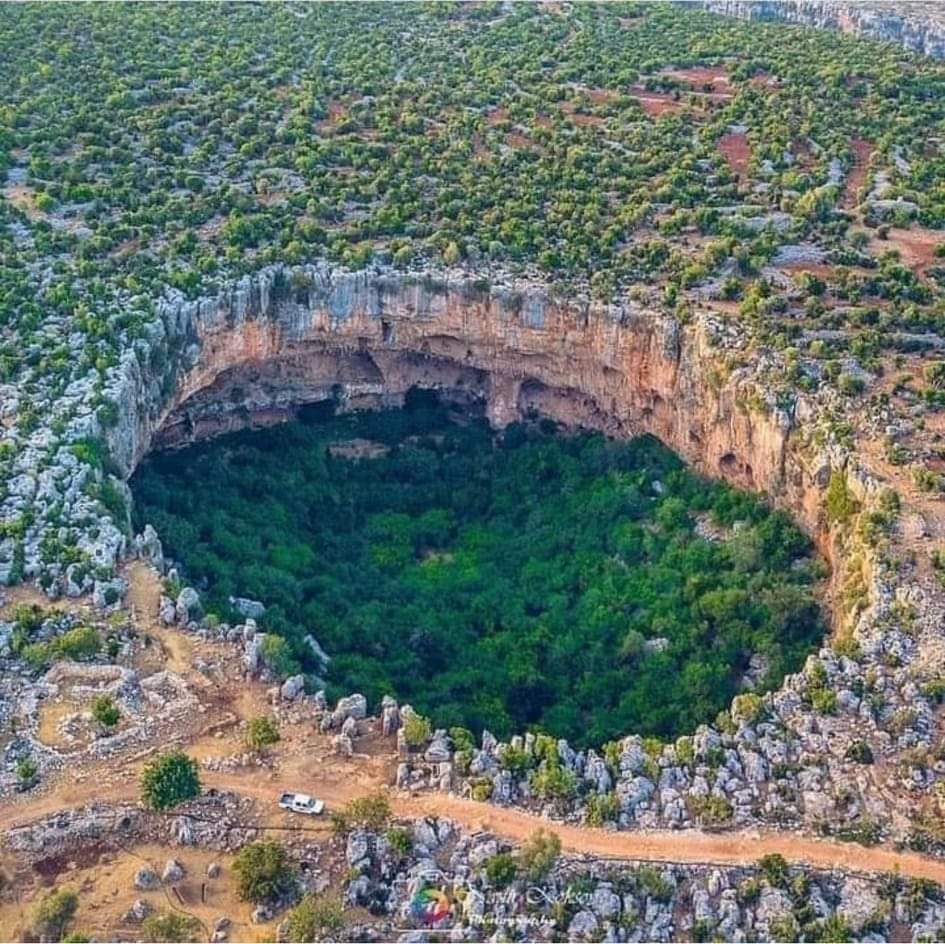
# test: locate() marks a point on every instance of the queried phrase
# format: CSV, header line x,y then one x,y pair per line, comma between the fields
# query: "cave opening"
x,y
533,578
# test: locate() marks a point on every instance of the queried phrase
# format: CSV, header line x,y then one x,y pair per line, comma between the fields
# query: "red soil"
x,y
857,176
699,76
916,247
656,103
734,148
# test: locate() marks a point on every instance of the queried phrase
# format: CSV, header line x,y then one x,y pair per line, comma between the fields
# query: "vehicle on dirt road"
x,y
301,803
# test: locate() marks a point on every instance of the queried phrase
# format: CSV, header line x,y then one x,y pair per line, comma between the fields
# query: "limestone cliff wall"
x,y
288,337
919,27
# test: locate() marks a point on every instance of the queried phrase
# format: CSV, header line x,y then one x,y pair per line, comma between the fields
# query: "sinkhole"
x,y
529,579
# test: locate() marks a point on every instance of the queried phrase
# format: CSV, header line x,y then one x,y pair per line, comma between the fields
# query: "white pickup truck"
x,y
301,803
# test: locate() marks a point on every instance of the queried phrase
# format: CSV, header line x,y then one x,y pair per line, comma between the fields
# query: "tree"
x,y
314,918
105,711
54,913
264,872
501,869
262,731
169,779
539,854
171,927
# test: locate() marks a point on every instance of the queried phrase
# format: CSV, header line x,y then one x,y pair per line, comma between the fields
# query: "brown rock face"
x,y
624,374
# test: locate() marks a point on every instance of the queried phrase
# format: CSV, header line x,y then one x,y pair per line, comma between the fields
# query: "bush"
x,y
501,870
26,772
712,810
539,854
553,782
105,711
370,812
171,926
263,872
652,883
774,867
399,840
262,731
602,808
168,780
417,730
277,654
748,708
315,918
83,642
859,752
839,502
54,913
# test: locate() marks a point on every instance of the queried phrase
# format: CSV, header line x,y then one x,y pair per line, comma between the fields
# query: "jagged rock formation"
x,y
920,27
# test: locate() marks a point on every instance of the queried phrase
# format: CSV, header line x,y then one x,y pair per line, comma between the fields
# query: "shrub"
x,y
553,782
263,872
261,732
712,810
602,808
749,891
399,839
277,654
652,883
169,779
105,711
747,708
83,642
774,867
516,760
859,752
371,812
539,854
55,912
839,502
833,930
314,918
501,870
26,772
417,730
171,926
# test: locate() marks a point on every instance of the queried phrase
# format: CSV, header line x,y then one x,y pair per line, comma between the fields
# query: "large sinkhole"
x,y
528,580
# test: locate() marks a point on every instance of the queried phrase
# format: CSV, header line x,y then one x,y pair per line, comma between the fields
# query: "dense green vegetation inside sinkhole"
x,y
529,581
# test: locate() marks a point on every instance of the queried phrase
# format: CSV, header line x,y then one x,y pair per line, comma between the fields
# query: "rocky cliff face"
x,y
920,27
290,337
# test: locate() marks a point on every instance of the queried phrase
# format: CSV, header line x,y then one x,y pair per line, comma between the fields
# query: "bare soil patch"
x,y
862,150
698,77
24,199
105,883
916,246
733,146
657,103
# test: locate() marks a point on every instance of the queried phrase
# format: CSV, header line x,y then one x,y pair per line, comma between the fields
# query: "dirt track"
x,y
305,760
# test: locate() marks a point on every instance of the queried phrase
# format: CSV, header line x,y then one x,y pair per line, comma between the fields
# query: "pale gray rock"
x,y
173,872
292,687
583,926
